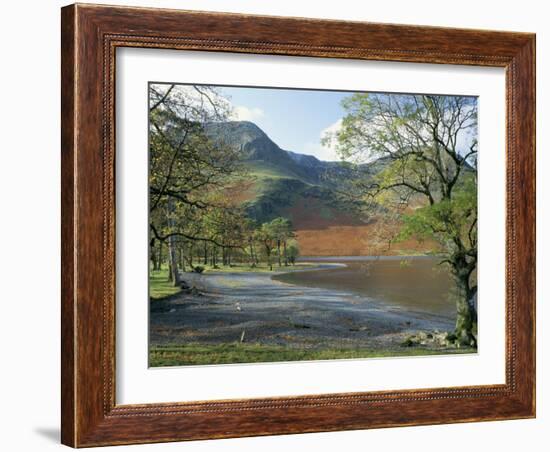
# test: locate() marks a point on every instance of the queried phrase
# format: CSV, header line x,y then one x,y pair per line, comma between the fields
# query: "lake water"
x,y
412,283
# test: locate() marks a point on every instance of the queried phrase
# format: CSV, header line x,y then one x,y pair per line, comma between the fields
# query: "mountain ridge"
x,y
303,189
256,145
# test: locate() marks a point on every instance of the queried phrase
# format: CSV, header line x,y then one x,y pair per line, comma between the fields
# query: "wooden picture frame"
x,y
90,36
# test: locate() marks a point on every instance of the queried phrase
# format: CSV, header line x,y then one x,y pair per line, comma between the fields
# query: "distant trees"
x,y
193,218
233,240
274,236
267,238
292,251
281,229
430,145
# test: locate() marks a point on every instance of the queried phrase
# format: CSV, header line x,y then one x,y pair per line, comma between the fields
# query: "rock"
x,y
451,337
433,339
411,341
358,328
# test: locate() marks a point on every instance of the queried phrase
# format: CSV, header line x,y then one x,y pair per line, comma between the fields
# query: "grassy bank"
x,y
159,286
194,354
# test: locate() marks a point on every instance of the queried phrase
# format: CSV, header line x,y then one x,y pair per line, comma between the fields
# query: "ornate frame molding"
x,y
90,37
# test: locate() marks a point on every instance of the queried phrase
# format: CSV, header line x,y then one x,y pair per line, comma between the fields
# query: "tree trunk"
x,y
159,260
181,251
279,251
205,254
174,273
252,260
153,254
466,315
268,255
255,254
284,253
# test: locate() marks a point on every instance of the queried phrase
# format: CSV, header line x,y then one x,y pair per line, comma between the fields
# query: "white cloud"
x,y
326,152
242,113
333,128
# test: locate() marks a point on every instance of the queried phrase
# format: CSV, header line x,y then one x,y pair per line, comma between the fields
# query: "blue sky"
x,y
294,119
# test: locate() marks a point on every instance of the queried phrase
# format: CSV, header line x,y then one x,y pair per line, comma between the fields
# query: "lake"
x,y
415,283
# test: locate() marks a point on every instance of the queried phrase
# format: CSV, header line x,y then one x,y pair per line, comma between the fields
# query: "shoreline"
x,y
366,257
252,309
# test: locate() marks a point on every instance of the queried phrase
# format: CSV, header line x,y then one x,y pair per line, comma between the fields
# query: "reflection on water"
x,y
413,283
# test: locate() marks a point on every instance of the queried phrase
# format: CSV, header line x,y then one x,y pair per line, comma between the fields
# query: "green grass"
x,y
194,354
266,170
159,286
269,177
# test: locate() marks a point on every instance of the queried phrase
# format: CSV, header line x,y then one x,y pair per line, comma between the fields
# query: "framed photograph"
x,y
281,225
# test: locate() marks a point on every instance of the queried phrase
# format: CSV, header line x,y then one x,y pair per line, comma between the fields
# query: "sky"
x,y
297,119
294,119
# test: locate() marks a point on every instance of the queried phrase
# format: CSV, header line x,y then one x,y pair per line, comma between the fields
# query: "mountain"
x,y
282,178
302,188
262,153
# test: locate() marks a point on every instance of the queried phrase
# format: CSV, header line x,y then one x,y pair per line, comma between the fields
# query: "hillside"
x,y
305,190
264,156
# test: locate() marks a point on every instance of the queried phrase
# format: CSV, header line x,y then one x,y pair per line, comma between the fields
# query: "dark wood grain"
x,y
90,36
67,226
